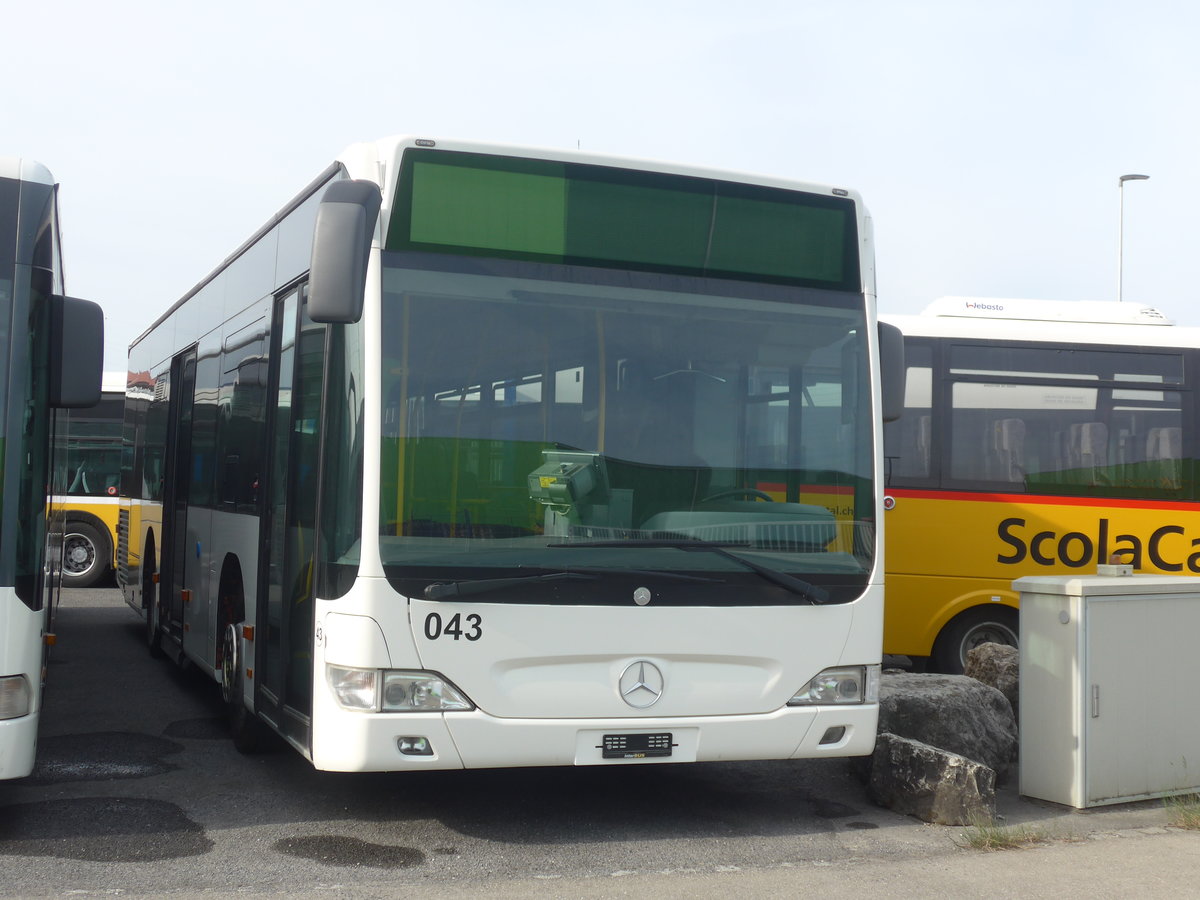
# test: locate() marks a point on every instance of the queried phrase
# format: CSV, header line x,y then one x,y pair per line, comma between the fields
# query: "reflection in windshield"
x,y
521,411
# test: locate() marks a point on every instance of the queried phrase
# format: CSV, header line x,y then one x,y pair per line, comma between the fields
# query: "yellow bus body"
x,y
949,551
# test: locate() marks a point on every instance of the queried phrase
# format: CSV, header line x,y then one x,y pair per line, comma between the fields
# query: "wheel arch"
x,y
966,603
79,515
948,650
78,523
149,567
231,592
231,601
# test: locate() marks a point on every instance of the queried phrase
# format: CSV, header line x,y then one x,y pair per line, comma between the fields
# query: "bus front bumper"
x,y
18,740
382,742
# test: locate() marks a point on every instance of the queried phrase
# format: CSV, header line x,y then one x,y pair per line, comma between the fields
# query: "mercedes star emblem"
x,y
641,684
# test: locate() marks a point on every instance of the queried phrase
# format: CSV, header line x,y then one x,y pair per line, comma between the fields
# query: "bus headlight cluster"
x,y
394,690
15,697
840,686
421,692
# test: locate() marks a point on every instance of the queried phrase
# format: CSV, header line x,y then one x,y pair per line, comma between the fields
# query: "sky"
x,y
985,138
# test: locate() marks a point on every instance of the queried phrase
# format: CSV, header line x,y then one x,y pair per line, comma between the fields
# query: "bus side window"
x,y
1164,450
1088,451
1006,450
912,457
908,441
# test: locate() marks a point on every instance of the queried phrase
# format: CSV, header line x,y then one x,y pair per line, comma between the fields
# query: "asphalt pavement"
x,y
138,793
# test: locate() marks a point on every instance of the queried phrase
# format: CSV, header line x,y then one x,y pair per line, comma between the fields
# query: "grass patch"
x,y
994,836
1184,811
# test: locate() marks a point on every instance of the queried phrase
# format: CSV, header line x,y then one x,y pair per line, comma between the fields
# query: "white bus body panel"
x,y
1046,320
25,170
546,679
215,537
1023,310
21,652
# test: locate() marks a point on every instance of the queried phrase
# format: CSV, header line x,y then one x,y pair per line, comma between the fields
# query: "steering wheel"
x,y
740,492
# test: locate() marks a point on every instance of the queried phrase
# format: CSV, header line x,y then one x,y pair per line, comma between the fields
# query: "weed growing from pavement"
x,y
996,836
1184,811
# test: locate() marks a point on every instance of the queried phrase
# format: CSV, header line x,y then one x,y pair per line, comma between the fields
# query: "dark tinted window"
x,y
204,428
1085,421
908,442
242,422
545,211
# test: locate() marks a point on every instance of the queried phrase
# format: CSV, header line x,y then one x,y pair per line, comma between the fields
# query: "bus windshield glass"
x,y
536,406
28,276
89,454
589,367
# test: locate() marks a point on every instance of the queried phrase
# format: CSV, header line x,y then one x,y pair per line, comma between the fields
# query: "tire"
x,y
996,624
85,555
150,603
244,727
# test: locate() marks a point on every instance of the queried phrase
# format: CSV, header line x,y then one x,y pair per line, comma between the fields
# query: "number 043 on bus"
x,y
486,456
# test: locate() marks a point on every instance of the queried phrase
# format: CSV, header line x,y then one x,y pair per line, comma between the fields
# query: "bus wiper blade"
x,y
446,590
813,594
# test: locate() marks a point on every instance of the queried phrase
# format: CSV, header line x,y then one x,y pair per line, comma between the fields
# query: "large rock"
x,y
935,786
997,665
953,713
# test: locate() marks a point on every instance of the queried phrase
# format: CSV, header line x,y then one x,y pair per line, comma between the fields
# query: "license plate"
x,y
636,746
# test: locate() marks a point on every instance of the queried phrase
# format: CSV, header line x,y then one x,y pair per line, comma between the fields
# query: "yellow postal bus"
x,y
88,461
1038,438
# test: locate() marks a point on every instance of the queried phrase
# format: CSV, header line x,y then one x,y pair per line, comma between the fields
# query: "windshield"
x,y
88,455
28,276
530,406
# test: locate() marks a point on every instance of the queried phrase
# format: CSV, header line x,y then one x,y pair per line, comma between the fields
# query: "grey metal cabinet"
x,y
1110,688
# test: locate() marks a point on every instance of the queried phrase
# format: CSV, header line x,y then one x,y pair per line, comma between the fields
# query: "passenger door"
x,y
285,611
177,488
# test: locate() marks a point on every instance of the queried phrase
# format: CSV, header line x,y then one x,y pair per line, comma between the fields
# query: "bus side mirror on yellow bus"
x,y
891,371
76,352
341,247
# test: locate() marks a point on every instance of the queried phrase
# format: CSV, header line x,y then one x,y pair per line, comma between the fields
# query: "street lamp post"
x,y
1121,225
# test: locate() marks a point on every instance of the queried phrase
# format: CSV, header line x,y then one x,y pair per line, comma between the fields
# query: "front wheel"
x,y
996,624
244,728
85,556
150,602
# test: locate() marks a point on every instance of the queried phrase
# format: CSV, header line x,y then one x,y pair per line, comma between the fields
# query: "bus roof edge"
x,y
1092,311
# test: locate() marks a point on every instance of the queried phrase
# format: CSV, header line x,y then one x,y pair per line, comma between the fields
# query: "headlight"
x,y
14,697
421,692
353,688
841,686
389,690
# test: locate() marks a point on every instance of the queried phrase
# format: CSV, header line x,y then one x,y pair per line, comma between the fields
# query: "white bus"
x,y
481,456
36,376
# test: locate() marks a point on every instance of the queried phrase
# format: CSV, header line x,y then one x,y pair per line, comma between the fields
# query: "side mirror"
x,y
341,247
892,372
76,352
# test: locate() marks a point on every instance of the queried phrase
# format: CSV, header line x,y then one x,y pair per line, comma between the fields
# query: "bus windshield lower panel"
x,y
550,420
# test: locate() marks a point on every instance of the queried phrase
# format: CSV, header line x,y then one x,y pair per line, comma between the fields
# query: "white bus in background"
x,y
486,456
52,348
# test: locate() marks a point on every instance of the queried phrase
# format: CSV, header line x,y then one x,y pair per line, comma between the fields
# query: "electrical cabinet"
x,y
1109,687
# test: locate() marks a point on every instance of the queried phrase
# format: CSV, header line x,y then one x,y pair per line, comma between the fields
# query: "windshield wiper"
x,y
817,596
447,590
